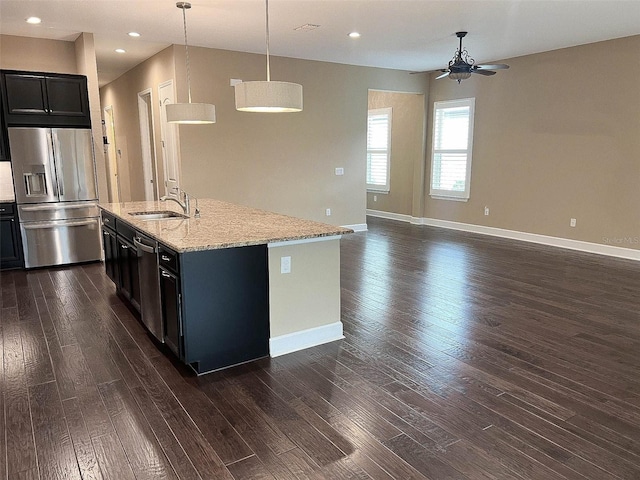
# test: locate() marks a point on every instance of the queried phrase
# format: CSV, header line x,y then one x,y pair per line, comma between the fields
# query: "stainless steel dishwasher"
x,y
148,268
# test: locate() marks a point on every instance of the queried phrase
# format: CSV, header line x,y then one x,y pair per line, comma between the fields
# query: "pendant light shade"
x,y
189,113
268,96
261,96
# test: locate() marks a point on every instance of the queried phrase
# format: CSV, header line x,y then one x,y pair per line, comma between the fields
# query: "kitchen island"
x,y
235,284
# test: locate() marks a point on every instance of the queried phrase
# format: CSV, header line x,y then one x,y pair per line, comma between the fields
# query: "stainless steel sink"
x,y
158,215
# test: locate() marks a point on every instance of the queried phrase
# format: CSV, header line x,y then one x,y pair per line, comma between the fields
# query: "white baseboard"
x,y
357,227
609,250
292,342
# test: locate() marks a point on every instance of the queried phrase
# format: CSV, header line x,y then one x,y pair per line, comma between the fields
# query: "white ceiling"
x,y
400,34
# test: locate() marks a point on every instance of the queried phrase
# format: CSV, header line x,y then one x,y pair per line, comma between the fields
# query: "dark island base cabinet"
x,y
121,259
215,305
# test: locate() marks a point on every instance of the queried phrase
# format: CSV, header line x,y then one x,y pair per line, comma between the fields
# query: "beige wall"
x,y
407,152
309,296
556,137
284,162
37,55
122,95
86,65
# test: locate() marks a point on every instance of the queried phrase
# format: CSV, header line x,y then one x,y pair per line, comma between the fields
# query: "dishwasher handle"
x,y
137,241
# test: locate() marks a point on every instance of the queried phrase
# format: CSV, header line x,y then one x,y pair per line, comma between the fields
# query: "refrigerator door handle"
x,y
59,173
42,208
37,226
52,163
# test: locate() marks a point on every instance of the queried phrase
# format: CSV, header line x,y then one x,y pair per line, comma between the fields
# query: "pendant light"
x,y
268,96
189,113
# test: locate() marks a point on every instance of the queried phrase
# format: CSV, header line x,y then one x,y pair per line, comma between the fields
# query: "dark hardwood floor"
x,y
465,357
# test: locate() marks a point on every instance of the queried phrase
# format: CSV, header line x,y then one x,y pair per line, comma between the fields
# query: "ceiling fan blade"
x,y
497,66
418,73
445,74
486,73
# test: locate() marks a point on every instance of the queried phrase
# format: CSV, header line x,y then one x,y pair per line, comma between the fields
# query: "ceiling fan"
x,y
462,65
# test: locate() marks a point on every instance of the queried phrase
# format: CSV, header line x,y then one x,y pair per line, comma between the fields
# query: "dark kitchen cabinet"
x,y
110,246
4,137
171,311
10,243
121,258
45,99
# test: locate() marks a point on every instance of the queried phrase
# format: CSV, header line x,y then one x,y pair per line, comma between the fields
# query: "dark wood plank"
x,y
144,453
21,451
85,453
112,458
56,457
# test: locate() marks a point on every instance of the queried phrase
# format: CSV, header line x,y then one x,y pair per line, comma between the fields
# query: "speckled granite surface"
x,y
221,225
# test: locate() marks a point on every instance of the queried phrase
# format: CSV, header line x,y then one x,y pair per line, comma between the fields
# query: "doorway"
x,y
403,192
149,166
111,152
168,132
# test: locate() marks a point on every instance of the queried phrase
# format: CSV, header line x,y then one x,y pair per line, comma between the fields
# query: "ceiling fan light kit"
x,y
462,65
268,96
189,113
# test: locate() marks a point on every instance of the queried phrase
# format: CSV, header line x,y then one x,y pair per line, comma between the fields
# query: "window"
x,y
452,145
378,149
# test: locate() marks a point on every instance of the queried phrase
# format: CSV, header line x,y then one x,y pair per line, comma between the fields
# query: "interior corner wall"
x,y
37,54
283,162
87,66
122,95
556,137
407,151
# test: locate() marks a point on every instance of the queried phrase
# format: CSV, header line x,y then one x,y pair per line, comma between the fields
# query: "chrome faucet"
x,y
186,208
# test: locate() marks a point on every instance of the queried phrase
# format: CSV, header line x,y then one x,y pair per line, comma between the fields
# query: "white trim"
x,y
287,243
357,227
401,217
312,337
565,243
445,197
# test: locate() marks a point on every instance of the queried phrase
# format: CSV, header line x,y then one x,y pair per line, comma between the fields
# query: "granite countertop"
x,y
221,225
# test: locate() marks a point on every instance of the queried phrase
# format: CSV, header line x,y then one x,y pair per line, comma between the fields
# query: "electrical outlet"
x,y
328,212
572,223
339,171
375,198
285,264
486,210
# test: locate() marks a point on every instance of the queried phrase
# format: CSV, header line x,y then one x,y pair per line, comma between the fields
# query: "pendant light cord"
x,y
186,50
267,18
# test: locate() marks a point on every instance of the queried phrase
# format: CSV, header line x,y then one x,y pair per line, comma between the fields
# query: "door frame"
x,y
147,142
111,153
169,137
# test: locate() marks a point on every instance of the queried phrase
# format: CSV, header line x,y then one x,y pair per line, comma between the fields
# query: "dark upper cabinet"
x,y
45,99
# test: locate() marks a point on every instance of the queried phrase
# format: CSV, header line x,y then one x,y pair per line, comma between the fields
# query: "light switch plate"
x,y
339,171
285,264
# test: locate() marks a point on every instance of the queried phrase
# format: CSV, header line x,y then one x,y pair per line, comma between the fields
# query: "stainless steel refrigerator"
x,y
55,186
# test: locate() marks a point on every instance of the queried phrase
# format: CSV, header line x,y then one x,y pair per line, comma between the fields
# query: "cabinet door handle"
x,y
124,247
106,220
165,258
3,209
165,274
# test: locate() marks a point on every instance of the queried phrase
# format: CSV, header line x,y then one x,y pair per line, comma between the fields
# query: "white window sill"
x,y
444,197
383,192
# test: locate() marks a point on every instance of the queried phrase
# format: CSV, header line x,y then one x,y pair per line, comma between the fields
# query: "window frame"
x,y
375,188
461,196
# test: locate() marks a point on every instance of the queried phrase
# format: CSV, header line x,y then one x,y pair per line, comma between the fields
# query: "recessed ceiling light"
x,y
354,35
120,50
134,34
34,20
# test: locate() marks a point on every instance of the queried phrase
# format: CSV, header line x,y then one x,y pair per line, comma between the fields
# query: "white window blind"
x,y
378,149
452,146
